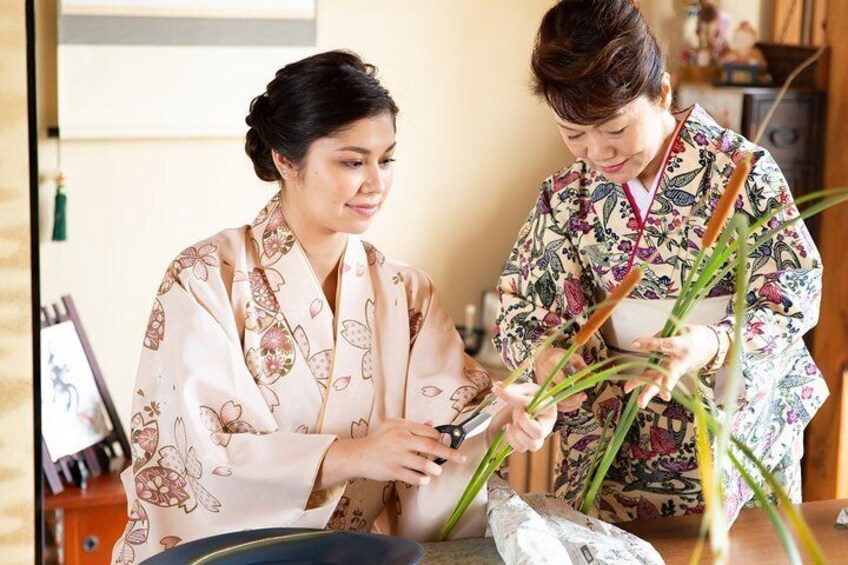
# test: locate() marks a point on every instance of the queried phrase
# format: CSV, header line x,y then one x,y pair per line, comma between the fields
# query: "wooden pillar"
x,y
17,478
799,22
826,466
788,21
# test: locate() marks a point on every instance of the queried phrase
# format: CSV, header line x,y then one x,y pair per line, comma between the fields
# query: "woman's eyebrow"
x,y
355,149
363,150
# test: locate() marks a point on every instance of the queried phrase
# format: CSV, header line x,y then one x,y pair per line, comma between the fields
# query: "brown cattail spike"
x,y
727,202
599,316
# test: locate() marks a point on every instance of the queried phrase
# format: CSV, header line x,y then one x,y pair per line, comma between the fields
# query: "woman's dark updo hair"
x,y
593,57
312,98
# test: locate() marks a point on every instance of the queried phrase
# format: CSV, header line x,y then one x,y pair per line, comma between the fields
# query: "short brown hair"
x,y
593,57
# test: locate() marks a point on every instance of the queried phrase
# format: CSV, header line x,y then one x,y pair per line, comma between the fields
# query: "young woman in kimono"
x,y
291,375
643,187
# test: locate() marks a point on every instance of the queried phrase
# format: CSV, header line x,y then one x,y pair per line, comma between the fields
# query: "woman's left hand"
x,y
692,349
525,433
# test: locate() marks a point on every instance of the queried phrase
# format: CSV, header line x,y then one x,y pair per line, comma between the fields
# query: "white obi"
x,y
636,318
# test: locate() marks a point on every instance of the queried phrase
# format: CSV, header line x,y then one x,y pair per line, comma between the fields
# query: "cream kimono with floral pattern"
x,y
247,377
584,235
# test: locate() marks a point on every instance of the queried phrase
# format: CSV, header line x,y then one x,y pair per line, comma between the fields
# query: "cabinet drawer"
x,y
90,533
794,133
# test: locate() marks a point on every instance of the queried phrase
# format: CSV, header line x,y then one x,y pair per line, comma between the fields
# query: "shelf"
x,y
104,490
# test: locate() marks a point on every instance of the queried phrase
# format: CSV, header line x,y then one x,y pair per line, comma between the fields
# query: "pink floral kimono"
x,y
247,377
583,236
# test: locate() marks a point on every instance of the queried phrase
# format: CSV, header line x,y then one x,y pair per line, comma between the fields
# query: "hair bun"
x,y
256,143
307,100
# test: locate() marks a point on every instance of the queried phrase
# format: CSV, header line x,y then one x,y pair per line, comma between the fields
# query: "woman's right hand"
x,y
547,361
398,450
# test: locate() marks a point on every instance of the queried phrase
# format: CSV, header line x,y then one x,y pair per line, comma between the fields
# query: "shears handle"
x,y
456,435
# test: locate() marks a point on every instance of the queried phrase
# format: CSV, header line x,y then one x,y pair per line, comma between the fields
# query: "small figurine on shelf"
x,y
743,63
704,36
743,50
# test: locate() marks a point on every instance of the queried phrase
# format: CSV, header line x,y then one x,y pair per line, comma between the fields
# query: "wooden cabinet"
x,y
795,132
794,135
87,523
534,472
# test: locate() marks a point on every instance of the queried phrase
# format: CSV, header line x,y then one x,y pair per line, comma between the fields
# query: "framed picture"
x,y
73,415
80,430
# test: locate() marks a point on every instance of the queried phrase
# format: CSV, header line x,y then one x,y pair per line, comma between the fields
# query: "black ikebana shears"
x,y
458,433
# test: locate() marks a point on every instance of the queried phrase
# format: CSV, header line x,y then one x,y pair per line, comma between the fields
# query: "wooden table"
x,y
89,521
752,537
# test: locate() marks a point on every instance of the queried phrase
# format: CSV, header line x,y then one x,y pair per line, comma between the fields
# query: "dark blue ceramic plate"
x,y
292,546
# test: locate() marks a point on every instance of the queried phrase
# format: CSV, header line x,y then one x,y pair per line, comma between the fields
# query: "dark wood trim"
x,y
35,290
118,431
826,466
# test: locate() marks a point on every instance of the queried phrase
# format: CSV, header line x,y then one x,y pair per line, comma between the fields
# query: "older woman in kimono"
x,y
644,185
291,374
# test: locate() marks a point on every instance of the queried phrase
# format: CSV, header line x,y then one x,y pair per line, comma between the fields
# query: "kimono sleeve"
x,y
543,285
784,287
443,385
208,456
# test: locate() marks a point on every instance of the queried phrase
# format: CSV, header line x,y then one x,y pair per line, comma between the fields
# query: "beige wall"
x,y
16,455
473,148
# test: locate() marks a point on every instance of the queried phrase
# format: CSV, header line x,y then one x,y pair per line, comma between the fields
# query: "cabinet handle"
x,y
784,137
90,543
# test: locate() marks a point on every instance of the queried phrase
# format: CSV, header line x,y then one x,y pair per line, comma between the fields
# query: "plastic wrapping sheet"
x,y
542,529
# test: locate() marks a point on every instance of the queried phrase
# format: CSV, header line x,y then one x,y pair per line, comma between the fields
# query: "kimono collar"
x,y
272,238
343,337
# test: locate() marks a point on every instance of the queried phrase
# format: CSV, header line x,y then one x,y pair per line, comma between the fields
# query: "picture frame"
x,y
81,432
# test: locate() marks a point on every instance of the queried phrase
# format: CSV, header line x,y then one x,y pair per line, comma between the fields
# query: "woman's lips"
x,y
614,169
365,210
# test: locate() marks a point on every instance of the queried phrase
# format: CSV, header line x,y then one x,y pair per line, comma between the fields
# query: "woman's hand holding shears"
x,y
400,450
522,432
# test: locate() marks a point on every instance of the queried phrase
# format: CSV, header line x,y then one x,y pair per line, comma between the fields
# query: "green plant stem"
x,y
713,272
782,533
800,526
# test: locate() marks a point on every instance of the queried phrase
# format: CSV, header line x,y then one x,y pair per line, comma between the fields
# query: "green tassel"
x,y
60,218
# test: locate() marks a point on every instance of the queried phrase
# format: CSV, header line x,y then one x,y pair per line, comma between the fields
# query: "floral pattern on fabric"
x,y
225,422
359,335
225,405
175,481
155,327
135,533
277,238
471,394
144,439
197,260
319,362
373,254
276,353
582,237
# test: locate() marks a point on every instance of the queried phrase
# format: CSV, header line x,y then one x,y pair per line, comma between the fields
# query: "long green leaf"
x,y
783,534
